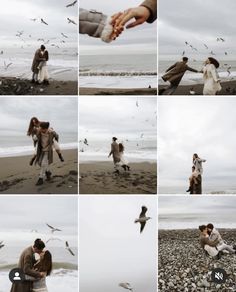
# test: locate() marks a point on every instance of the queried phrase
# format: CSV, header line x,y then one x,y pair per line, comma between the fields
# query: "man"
x,y
38,57
174,74
115,154
44,156
215,235
194,182
26,263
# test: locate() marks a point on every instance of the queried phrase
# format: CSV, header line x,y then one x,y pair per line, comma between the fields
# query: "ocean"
x,y
196,78
118,71
135,151
62,64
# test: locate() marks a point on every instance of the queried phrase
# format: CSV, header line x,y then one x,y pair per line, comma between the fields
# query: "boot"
x,y
39,182
116,172
128,167
32,160
48,175
60,156
124,166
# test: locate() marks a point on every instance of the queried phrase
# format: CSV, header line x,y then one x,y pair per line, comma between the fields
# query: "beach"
x,y
183,265
98,178
117,91
19,86
228,88
18,177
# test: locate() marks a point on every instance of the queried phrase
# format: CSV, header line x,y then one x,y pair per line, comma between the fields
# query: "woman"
x,y
123,161
208,245
33,132
197,163
44,265
211,77
43,75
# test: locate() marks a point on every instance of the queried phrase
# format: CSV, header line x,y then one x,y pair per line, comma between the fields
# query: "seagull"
x,y
226,53
53,229
126,286
183,53
137,103
65,36
44,22
1,244
142,218
71,21
205,46
71,4
212,53
7,65
33,19
53,238
86,142
186,43
68,248
1,52
40,40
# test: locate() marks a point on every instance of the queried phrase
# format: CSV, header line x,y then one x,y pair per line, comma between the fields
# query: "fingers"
x,y
123,19
114,17
135,23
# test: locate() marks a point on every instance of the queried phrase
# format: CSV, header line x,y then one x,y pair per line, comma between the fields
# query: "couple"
x,y
195,180
212,242
98,25
44,140
39,66
35,271
117,152
175,73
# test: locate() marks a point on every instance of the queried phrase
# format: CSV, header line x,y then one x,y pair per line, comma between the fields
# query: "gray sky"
x,y
15,16
202,125
21,214
141,39
104,117
111,248
174,210
16,112
198,22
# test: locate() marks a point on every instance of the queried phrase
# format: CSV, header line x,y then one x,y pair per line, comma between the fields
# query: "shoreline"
x,y
117,91
18,177
99,178
228,88
21,86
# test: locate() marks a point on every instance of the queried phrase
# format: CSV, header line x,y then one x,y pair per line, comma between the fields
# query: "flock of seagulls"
x,y
142,220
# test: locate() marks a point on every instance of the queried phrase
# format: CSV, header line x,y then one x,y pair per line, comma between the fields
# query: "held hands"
x,y
119,20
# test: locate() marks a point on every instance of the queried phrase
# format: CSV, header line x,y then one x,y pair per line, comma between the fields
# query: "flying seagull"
x,y
53,229
71,4
53,238
205,46
65,36
71,21
86,142
142,218
69,249
1,244
33,19
7,65
44,22
126,286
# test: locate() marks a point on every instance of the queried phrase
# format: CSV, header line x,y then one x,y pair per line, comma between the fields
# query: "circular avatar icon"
x,y
218,276
16,275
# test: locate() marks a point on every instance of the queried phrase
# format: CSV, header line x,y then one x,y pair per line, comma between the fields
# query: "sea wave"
x,y
58,267
86,72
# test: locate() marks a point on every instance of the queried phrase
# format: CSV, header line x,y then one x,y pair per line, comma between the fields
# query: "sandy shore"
x,y
228,88
98,178
16,86
183,265
117,91
18,177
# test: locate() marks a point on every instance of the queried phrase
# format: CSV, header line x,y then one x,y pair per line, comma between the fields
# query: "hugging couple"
x,y
212,242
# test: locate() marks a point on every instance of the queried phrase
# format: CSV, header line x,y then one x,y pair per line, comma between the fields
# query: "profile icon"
x,y
16,275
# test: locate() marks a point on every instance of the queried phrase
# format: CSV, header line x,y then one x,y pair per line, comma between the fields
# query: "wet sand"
x,y
183,265
18,177
16,86
98,178
117,91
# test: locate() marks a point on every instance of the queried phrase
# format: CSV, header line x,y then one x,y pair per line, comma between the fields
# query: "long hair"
x,y
45,265
214,62
31,125
121,147
196,156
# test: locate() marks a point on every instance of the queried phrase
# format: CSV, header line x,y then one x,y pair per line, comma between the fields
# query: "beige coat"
x,y
115,152
176,72
152,7
38,57
26,263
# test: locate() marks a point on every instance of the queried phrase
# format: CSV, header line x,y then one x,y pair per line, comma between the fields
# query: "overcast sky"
x,y
198,22
177,211
103,117
202,125
16,112
111,248
15,16
141,39
21,214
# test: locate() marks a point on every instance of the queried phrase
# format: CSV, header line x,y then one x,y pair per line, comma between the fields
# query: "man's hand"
x,y
43,274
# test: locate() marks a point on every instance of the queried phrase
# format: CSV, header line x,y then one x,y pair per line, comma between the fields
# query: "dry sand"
x,y
117,91
16,86
18,177
98,178
228,88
